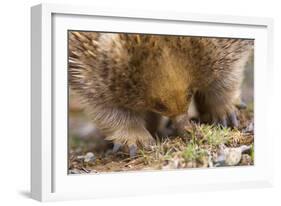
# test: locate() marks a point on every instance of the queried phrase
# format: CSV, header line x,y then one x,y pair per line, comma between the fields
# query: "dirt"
x,y
201,146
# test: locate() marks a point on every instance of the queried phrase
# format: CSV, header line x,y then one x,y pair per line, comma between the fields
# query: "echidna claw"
x,y
229,121
222,122
233,120
133,151
241,105
116,147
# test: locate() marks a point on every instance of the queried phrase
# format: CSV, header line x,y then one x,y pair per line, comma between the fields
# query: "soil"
x,y
200,146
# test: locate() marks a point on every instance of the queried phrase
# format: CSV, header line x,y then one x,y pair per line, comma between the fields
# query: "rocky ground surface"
x,y
200,146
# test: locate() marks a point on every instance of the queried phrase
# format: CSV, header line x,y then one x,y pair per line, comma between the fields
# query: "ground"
x,y
200,146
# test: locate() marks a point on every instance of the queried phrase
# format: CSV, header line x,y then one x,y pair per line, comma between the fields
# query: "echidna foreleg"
x,y
216,105
123,127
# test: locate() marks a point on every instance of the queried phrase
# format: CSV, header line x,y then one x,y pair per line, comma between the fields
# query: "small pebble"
x,y
246,159
210,160
232,156
229,156
89,157
220,160
75,171
80,157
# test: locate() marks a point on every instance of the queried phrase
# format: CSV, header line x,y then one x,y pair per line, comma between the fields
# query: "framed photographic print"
x,y
136,102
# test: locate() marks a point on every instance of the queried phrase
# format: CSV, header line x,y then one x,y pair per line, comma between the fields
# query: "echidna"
x,y
128,81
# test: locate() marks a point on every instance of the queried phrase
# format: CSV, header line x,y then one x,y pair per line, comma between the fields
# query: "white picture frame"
x,y
49,178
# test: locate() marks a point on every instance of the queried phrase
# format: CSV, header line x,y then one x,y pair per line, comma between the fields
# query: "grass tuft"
x,y
197,146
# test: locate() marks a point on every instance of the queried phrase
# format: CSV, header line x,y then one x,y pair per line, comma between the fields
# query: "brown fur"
x,y
124,79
